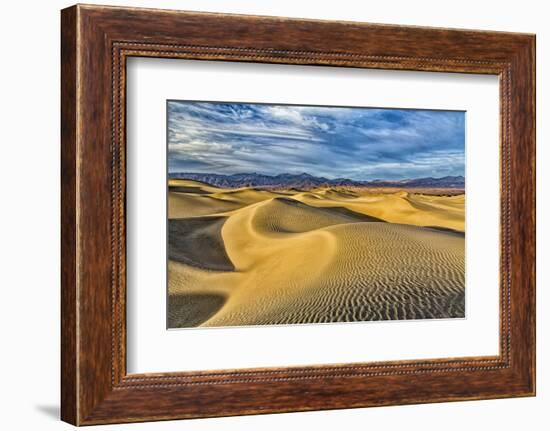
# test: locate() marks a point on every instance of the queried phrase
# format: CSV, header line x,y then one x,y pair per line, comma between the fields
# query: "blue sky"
x,y
334,142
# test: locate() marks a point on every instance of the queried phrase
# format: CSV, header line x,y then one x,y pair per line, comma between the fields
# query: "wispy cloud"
x,y
356,143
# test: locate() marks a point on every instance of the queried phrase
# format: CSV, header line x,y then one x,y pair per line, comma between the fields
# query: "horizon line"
x,y
313,176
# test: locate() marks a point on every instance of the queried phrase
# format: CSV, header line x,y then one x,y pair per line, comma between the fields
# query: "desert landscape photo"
x,y
285,214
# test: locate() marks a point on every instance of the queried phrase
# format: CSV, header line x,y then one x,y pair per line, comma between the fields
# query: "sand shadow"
x,y
198,242
184,189
447,230
191,310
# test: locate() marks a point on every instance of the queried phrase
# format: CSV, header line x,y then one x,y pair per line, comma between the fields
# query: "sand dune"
x,y
400,207
191,198
322,255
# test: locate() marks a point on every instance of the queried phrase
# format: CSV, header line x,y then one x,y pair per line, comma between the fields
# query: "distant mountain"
x,y
448,182
307,181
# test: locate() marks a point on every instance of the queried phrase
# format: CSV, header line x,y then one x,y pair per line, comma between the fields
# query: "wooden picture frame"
x,y
95,43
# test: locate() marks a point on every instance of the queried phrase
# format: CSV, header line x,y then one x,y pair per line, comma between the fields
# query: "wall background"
x,y
29,213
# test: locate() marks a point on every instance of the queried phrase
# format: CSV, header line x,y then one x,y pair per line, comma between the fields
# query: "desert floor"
x,y
248,256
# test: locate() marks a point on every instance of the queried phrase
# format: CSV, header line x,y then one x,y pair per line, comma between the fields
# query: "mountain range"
x,y
307,181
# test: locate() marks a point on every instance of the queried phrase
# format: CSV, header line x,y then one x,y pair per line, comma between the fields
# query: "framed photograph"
x,y
264,215
274,215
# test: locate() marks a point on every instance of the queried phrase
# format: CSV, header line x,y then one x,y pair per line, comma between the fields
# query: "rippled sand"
x,y
254,257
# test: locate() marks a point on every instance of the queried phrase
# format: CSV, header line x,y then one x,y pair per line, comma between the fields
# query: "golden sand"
x,y
252,257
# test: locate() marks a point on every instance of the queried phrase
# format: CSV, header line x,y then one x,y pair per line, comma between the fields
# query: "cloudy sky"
x,y
334,142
